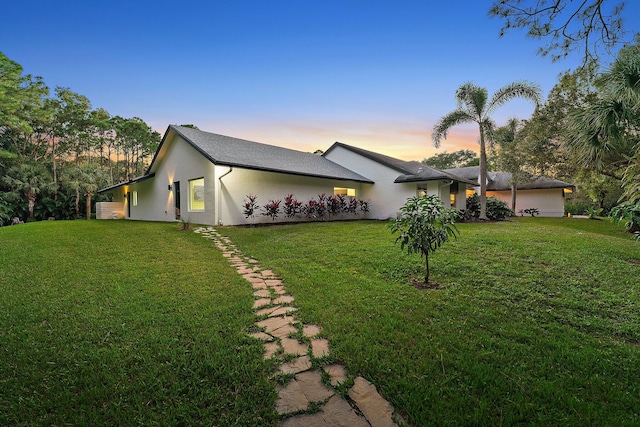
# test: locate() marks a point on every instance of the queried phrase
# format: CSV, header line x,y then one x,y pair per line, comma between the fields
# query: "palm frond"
x,y
441,128
472,98
521,89
489,127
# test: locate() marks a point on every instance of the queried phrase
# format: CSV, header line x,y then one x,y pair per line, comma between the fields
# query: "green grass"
x,y
125,323
537,320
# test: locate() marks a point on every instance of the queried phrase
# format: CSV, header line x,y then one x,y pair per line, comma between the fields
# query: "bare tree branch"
x,y
590,26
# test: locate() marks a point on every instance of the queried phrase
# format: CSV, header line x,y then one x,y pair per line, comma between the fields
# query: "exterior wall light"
x,y
169,187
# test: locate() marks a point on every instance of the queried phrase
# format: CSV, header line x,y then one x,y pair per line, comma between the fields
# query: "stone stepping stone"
x,y
320,348
268,273
261,302
338,412
266,311
258,285
284,331
262,293
300,364
261,336
270,349
244,270
290,398
279,290
305,420
253,279
312,387
292,346
284,299
279,311
273,282
374,407
337,373
311,331
273,323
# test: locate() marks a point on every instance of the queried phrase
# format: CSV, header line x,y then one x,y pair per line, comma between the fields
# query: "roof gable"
x,y
411,171
401,166
229,151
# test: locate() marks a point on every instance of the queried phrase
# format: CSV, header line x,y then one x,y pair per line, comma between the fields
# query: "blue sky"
x,y
295,74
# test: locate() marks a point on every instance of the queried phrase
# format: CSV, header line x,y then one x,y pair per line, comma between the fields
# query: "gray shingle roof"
x,y
469,172
397,164
412,171
225,150
500,181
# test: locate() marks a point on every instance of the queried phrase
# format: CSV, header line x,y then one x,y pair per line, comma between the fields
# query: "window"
x,y
337,191
453,194
196,194
134,198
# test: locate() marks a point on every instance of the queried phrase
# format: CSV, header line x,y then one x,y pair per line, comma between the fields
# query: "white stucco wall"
x,y
386,197
550,202
178,161
272,186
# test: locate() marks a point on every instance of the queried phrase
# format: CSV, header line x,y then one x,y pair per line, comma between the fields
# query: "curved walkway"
x,y
309,396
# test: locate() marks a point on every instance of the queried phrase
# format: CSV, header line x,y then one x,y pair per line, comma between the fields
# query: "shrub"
x,y
250,206
333,205
292,207
424,225
531,211
629,214
272,209
313,209
496,208
578,207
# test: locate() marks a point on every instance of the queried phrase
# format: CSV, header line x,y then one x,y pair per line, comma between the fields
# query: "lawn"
x,y
536,322
125,323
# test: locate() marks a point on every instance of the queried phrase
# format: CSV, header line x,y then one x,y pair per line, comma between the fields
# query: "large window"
x,y
134,199
337,191
196,194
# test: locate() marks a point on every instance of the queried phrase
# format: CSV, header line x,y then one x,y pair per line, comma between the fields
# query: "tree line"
x,y
56,150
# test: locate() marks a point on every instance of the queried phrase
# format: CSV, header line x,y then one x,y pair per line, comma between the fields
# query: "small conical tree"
x,y
424,225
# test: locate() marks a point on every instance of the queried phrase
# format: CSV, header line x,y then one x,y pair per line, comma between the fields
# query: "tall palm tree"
x,y
474,106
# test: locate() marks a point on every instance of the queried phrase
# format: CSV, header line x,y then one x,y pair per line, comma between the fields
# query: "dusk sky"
x,y
296,74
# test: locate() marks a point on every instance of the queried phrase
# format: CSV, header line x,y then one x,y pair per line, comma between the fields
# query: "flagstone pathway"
x,y
310,397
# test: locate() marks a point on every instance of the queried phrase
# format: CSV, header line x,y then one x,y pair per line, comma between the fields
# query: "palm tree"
x,y
474,106
29,180
605,134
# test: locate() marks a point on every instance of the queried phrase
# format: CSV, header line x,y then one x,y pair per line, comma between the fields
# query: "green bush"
x,y
496,208
578,207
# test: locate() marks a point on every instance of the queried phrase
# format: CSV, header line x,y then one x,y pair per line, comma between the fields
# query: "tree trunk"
x,y
88,206
31,197
514,192
54,166
483,175
77,203
426,262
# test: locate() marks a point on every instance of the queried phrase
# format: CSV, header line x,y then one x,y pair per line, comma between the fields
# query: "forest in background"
x,y
56,150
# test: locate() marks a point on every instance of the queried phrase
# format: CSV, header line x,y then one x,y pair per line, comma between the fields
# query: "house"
x,y
204,178
544,194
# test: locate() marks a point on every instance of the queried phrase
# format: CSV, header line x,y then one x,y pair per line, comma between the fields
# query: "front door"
x,y
128,204
176,186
